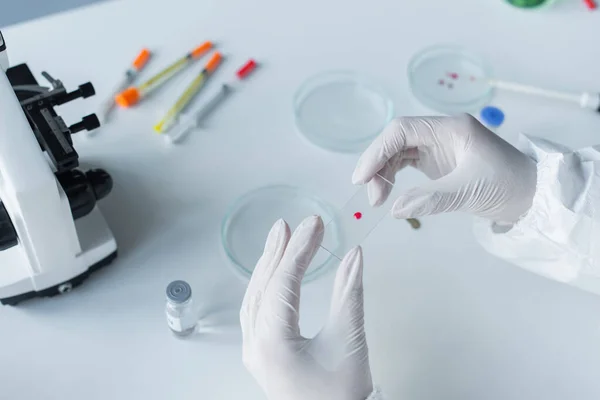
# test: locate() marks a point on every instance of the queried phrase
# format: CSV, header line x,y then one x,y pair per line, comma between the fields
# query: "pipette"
x,y
187,122
133,95
188,94
138,64
585,100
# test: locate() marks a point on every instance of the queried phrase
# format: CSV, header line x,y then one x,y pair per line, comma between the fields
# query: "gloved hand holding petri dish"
x,y
334,364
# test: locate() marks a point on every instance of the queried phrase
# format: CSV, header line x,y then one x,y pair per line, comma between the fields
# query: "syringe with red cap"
x,y
187,122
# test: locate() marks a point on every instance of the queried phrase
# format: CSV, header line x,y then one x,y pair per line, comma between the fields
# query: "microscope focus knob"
x,y
100,181
8,235
79,192
84,189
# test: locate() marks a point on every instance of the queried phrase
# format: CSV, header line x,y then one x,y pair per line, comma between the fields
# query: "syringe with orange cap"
x,y
188,94
129,77
133,95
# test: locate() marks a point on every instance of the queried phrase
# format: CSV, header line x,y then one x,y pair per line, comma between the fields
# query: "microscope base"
x,y
97,249
62,287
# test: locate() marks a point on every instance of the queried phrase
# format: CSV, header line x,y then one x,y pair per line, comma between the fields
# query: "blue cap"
x,y
492,116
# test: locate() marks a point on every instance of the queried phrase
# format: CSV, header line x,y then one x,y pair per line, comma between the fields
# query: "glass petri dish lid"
x,y
450,79
341,111
249,219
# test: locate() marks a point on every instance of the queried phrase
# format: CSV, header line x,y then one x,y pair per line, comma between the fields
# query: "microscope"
x,y
52,234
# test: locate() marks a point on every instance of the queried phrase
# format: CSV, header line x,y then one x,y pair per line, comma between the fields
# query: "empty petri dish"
x,y
249,219
450,79
341,111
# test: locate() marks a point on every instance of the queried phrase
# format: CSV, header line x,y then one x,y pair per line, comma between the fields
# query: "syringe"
x,y
188,94
188,122
585,100
129,77
133,95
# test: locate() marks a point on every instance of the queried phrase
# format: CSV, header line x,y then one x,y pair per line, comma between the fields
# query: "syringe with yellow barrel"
x,y
186,97
133,95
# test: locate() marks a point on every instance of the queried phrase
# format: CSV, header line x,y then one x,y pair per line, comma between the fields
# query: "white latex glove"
x,y
472,169
334,365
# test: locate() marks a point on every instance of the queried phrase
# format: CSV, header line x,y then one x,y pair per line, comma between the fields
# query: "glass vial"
x,y
179,308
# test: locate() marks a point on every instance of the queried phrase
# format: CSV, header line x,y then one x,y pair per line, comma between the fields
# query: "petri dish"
x,y
450,79
250,218
341,111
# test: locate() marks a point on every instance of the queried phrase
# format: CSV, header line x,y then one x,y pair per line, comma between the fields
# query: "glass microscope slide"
x,y
354,221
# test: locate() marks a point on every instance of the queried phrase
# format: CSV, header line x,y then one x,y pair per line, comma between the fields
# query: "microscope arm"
x,y
29,190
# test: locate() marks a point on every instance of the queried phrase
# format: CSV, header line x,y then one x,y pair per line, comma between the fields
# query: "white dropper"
x,y
585,100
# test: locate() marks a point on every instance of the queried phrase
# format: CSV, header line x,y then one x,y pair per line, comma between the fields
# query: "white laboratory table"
x,y
444,319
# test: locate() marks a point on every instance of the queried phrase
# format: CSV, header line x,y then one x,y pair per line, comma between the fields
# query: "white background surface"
x,y
444,319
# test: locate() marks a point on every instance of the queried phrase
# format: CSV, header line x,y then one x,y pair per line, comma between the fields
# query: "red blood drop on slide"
x,y
453,75
358,215
441,82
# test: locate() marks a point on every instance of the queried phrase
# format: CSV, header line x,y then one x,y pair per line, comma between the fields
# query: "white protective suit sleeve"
x,y
559,237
